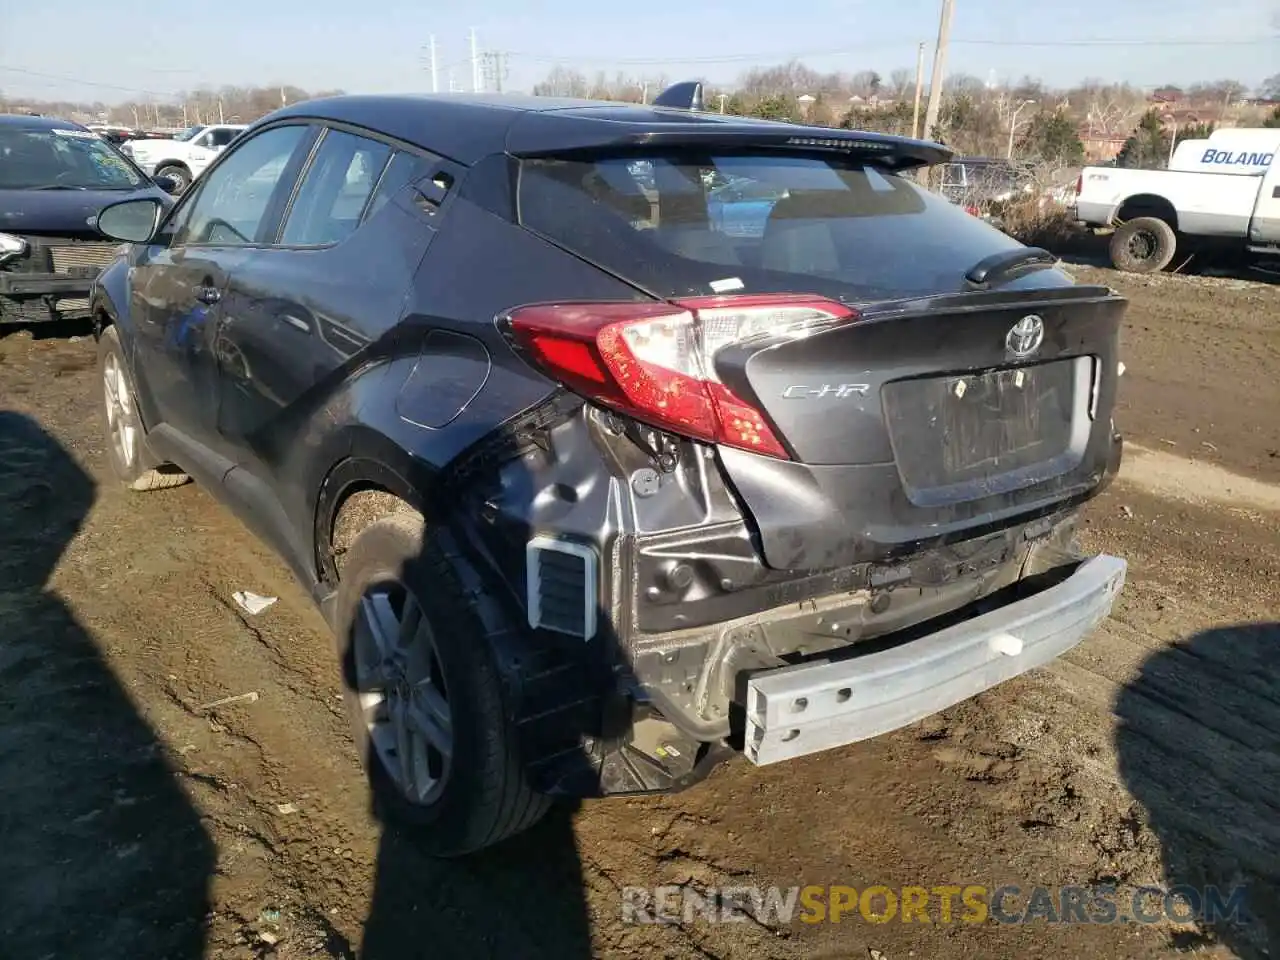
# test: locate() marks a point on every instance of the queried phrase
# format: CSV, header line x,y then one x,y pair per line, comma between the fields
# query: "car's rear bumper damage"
x,y
659,640
801,709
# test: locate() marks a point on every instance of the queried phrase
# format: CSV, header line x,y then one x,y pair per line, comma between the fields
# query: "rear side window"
x,y
403,169
682,224
335,190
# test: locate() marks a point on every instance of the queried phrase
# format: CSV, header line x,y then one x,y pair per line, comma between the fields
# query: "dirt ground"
x,y
138,821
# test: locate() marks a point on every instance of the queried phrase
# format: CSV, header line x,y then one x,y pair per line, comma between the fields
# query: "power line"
x,y
756,57
903,41
81,82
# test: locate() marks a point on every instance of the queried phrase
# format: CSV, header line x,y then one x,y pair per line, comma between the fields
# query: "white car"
x,y
1224,195
184,157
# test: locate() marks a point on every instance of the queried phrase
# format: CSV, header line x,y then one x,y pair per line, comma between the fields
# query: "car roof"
x,y
469,127
29,122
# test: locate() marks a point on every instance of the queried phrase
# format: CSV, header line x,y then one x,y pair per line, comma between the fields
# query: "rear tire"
x,y
412,644
178,173
131,461
1143,245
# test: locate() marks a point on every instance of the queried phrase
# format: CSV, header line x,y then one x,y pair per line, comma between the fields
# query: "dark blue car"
x,y
54,178
604,435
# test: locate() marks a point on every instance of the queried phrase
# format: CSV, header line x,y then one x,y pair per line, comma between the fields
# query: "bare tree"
x,y
788,78
902,82
1110,109
562,82
865,83
963,83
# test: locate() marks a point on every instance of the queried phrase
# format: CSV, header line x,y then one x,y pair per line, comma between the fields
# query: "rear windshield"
x,y
679,224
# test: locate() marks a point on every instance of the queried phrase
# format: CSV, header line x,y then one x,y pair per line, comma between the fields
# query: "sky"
x,y
118,50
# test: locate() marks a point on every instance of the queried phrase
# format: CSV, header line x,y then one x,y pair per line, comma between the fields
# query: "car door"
x,y
1265,226
201,153
335,281
180,280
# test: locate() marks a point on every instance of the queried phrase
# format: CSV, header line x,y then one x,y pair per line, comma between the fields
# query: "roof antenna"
x,y
682,96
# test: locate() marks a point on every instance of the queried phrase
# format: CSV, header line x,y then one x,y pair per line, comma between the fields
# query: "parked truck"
x,y
1220,197
183,157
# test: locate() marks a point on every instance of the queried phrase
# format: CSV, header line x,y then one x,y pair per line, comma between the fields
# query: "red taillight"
x,y
1079,184
653,361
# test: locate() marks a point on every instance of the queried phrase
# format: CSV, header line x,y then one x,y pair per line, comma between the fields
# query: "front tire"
x,y
423,692
1143,245
127,451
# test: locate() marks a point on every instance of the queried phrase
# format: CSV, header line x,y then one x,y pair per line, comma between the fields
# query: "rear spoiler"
x,y
675,120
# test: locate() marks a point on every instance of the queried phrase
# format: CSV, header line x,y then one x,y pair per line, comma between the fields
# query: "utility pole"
x,y
452,88
475,64
722,97
220,120
915,116
939,69
435,75
494,63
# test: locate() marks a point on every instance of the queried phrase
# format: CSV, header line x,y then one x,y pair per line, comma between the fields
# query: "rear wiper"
x,y
57,186
999,265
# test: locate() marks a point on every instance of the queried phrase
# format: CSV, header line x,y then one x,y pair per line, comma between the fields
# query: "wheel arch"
x,y
356,492
1147,205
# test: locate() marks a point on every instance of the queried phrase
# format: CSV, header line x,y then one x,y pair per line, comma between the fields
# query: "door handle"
x,y
208,294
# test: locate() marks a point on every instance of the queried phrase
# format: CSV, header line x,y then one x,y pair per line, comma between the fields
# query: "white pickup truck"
x,y
184,157
1220,196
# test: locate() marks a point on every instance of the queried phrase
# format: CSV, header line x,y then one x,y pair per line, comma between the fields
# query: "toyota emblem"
x,y
1025,336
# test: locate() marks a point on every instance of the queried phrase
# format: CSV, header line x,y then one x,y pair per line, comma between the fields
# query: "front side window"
x,y
221,138
55,159
231,206
335,190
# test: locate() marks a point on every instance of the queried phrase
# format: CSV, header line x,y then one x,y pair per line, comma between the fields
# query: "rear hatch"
x,y
864,395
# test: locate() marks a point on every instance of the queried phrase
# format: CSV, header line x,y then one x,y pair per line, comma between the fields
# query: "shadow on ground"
x,y
1199,748
522,898
50,329
101,853
1090,250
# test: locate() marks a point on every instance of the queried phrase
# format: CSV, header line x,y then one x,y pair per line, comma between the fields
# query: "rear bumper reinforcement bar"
x,y
809,707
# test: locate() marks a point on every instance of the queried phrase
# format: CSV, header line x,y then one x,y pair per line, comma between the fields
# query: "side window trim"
x,y
377,182
432,164
271,218
192,196
325,129
322,131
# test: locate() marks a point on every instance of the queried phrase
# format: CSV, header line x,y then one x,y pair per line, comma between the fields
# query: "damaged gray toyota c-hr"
x,y
615,439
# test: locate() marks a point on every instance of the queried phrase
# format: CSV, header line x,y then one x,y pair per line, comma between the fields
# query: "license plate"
x,y
962,428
